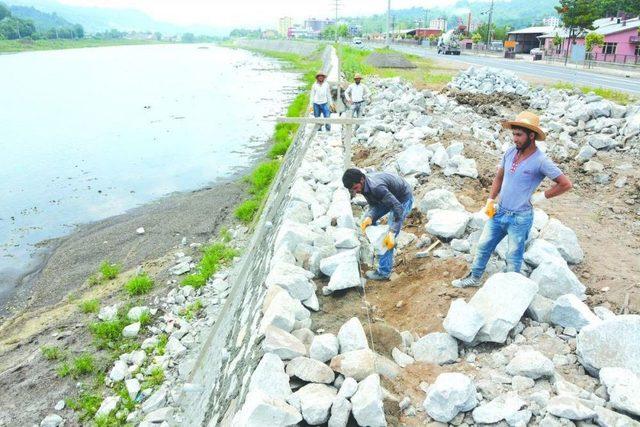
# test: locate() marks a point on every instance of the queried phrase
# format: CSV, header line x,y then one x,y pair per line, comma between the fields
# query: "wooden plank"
x,y
322,120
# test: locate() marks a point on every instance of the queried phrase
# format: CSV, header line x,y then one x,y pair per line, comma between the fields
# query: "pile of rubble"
x,y
489,80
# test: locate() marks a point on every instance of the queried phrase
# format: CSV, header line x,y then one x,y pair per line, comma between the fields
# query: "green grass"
x,y
109,271
213,257
89,306
81,365
51,352
610,94
12,46
87,404
139,285
155,379
192,310
145,319
352,61
107,334
225,235
162,344
108,421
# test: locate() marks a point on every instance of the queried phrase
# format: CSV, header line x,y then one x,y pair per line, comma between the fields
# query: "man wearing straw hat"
x,y
356,94
321,97
521,170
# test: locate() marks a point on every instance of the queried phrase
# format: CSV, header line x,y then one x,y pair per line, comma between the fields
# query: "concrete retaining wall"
x,y
287,46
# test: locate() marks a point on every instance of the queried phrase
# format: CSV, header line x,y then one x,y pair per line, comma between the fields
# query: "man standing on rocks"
x,y
521,170
321,97
356,94
386,194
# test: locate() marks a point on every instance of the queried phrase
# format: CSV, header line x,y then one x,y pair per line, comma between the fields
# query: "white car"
x,y
536,51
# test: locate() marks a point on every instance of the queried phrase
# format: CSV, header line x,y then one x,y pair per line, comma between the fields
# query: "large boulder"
x,y
329,264
260,409
340,412
294,279
414,159
623,388
310,370
314,402
463,321
345,276
564,239
608,418
324,347
359,364
502,301
368,409
447,224
451,394
270,377
611,343
437,347
531,364
440,199
539,250
570,407
540,308
554,279
569,312
282,344
502,407
351,336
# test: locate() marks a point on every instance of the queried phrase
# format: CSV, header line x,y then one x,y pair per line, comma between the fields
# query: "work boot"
x,y
467,282
374,275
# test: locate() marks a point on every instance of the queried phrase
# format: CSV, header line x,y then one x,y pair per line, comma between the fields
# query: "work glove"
x,y
310,109
389,241
365,223
490,208
538,197
332,108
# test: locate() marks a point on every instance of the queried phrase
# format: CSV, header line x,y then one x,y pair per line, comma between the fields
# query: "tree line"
x,y
12,28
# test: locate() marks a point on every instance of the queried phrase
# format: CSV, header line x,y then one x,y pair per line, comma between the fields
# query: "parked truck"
x,y
449,43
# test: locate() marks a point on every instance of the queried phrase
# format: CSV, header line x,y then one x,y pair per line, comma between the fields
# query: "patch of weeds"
x,y
247,210
259,182
63,370
162,344
51,352
139,285
109,271
125,400
145,319
87,404
89,306
352,61
214,256
94,280
616,96
107,421
192,310
225,235
82,365
108,333
154,379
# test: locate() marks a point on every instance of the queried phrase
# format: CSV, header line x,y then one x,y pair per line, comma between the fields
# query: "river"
x,y
86,134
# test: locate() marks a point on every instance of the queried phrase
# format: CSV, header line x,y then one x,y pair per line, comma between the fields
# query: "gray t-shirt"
x,y
519,183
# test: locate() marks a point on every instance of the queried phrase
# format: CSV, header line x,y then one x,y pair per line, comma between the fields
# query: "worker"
x,y
521,170
321,97
357,93
386,194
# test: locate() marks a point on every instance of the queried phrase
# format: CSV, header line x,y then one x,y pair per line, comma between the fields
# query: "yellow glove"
x,y
310,109
389,241
365,223
490,208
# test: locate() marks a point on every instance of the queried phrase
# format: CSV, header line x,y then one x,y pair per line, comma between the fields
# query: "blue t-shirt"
x,y
518,185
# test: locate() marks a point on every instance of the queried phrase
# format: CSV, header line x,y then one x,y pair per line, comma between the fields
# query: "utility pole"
x,y
336,25
489,26
387,41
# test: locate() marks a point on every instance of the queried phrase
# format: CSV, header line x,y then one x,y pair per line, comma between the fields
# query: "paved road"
x,y
586,78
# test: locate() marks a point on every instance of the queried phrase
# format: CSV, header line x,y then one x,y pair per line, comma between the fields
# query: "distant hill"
x,y
43,21
95,19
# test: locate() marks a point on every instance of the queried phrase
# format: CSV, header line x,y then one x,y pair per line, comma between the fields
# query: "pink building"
x,y
621,41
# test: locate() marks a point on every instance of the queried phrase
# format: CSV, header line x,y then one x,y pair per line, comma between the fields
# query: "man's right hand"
x,y
365,223
490,208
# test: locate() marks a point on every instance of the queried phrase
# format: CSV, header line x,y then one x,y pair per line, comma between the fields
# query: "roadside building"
x,y
438,24
551,21
318,25
284,24
527,38
423,33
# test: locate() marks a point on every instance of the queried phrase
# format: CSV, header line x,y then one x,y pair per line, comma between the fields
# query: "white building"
x,y
438,24
284,24
551,21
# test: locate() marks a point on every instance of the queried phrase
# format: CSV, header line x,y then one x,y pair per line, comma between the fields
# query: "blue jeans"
x,y
385,263
356,109
322,109
516,225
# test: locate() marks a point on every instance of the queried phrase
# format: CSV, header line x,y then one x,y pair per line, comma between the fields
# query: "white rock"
x,y
340,411
564,239
519,419
463,321
108,313
119,371
140,231
401,358
324,347
460,245
447,224
270,377
260,409
345,276
603,313
60,405
310,370
315,402
539,250
414,159
440,199
436,347
329,264
531,364
540,218
569,407
540,308
554,279
502,301
344,238
594,344
359,364
159,416
135,313
608,418
133,387
351,336
52,420
569,312
368,409
282,344
348,388
500,408
520,383
451,394
155,401
293,279
107,406
280,310
174,347
623,387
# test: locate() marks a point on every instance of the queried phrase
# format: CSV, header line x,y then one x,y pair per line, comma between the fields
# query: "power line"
x,y
387,41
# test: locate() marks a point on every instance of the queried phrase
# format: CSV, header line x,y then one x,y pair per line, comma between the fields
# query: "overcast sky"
x,y
253,13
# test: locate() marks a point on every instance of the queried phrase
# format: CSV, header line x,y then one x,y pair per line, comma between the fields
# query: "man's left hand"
x,y
389,241
538,197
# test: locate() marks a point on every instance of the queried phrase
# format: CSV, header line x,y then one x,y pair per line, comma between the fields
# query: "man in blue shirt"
x,y
386,194
521,170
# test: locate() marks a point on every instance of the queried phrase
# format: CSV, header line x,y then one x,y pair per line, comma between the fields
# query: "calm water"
x,y
90,133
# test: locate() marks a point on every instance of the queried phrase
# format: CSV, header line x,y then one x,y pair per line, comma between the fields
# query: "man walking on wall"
x,y
386,194
321,97
521,170
357,93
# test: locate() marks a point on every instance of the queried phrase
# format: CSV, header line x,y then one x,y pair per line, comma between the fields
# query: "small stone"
x,y
569,407
368,409
451,394
107,406
463,321
324,347
140,231
310,370
436,347
174,347
348,388
131,330
133,387
52,420
520,383
531,364
351,336
401,358
59,405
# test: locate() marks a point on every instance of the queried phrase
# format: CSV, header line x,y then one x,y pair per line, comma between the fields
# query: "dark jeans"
x,y
324,110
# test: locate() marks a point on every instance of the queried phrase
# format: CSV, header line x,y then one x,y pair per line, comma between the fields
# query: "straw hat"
x,y
527,120
357,76
320,73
